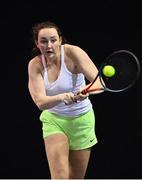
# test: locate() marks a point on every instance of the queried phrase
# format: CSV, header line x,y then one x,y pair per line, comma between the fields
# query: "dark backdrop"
x,y
99,29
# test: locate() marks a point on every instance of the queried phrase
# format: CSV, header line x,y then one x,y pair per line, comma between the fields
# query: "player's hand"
x,y
68,98
80,97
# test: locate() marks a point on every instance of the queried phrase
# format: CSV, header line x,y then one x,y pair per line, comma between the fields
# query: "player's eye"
x,y
43,41
53,40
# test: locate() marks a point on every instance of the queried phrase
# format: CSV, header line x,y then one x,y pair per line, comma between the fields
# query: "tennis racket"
x,y
127,71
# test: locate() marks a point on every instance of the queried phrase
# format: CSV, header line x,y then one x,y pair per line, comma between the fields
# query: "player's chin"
x,y
50,54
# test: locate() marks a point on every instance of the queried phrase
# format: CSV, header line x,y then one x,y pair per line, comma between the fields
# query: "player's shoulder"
x,y
35,63
70,48
74,51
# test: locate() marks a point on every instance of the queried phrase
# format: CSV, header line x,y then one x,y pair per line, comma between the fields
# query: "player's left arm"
x,y
84,64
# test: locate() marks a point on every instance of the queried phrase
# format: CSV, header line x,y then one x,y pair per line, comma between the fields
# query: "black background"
x,y
99,28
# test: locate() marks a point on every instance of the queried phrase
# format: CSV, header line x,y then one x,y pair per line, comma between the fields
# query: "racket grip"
x,y
80,96
81,92
84,91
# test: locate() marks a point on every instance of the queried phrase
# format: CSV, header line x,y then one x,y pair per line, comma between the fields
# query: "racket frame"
x,y
99,74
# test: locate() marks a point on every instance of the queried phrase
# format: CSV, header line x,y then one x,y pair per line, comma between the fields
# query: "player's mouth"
x,y
49,52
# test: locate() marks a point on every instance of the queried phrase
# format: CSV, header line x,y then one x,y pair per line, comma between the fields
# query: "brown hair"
x,y
37,27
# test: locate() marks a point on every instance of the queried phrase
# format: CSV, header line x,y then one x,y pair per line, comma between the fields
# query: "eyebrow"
x,y
50,37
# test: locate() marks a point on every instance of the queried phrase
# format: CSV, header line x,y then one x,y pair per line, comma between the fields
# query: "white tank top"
x,y
66,82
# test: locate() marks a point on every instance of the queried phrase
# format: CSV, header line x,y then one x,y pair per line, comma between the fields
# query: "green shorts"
x,y
79,130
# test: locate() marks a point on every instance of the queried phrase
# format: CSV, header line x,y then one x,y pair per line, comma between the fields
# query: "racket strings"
x,y
127,71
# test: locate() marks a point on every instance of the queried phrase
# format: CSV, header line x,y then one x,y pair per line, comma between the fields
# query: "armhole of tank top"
x,y
63,60
64,64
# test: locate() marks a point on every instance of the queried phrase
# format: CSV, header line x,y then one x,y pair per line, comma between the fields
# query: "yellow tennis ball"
x,y
109,71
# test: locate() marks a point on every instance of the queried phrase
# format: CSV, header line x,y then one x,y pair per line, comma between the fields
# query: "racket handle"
x,y
92,91
82,92
85,91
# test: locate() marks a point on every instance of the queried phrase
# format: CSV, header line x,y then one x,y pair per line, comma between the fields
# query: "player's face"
x,y
48,42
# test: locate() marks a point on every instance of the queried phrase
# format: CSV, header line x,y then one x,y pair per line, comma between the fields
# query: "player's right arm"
x,y
37,89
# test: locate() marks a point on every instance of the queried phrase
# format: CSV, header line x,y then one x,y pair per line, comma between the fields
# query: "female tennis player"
x,y
57,72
